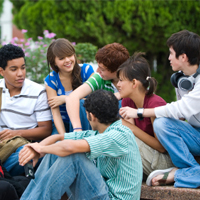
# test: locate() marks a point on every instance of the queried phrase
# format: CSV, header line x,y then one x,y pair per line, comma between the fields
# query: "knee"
x,y
73,158
160,125
78,156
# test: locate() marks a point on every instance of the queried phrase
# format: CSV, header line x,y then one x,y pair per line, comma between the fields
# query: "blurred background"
x,y
140,25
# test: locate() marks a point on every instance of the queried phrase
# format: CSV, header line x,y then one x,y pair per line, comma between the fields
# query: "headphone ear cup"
x,y
175,77
185,83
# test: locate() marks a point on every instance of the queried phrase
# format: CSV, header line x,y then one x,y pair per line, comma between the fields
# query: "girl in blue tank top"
x,y
66,76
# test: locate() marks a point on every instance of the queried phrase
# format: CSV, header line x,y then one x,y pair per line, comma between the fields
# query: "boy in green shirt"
x,y
109,58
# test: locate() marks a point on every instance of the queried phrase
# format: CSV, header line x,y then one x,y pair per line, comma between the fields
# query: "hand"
x,y
27,154
36,147
56,101
127,112
7,134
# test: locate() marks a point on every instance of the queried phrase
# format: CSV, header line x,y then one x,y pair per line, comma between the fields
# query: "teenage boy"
x,y
118,170
25,111
180,138
109,58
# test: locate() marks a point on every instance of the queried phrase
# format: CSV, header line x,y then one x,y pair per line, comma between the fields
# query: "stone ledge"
x,y
169,192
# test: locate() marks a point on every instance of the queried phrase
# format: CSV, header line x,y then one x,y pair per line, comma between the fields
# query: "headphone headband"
x,y
197,72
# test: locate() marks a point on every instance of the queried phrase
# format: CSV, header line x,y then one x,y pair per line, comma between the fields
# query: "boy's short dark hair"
x,y
10,52
112,56
186,42
103,105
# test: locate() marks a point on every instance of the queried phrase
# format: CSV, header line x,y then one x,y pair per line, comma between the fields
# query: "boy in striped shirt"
x,y
24,110
68,167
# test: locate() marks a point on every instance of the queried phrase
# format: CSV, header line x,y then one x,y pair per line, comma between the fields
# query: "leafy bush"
x,y
166,90
35,54
85,52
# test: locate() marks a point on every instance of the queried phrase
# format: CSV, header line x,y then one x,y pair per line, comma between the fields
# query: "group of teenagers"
x,y
98,135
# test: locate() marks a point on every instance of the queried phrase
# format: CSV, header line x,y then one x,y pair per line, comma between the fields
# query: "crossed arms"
x,y
34,151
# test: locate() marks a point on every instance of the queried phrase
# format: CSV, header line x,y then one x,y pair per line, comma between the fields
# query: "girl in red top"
x,y
137,87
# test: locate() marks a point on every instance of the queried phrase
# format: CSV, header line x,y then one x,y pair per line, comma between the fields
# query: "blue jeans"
x,y
182,141
54,130
75,174
83,117
12,163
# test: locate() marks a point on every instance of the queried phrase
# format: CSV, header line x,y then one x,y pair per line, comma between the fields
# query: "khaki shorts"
x,y
152,159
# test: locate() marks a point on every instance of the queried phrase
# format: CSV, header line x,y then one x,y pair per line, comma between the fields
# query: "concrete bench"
x,y
168,193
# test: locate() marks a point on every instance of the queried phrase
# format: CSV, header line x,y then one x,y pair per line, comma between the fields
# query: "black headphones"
x,y
183,82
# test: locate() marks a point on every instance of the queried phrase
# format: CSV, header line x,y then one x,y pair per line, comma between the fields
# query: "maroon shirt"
x,y
149,102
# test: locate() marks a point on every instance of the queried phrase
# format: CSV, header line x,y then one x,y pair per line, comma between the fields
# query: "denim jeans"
x,y
12,163
75,174
54,130
182,141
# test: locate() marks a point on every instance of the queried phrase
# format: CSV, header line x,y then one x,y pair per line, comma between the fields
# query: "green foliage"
x,y
1,6
139,25
36,64
164,88
85,52
35,54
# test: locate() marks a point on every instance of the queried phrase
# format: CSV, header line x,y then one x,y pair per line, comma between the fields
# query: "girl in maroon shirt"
x,y
137,87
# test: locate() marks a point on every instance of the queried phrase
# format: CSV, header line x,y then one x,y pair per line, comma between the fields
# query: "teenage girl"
x,y
137,87
66,76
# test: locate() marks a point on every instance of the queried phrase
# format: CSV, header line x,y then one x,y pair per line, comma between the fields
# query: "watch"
x,y
140,113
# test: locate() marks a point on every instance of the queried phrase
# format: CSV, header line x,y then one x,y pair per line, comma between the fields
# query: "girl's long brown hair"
x,y
63,48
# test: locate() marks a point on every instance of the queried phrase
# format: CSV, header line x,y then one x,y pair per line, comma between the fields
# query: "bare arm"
x,y
66,147
56,112
42,131
63,148
153,142
128,112
73,104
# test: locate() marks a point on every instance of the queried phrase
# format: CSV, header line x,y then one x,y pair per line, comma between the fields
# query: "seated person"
x,y
25,111
66,76
137,87
66,167
11,188
109,58
179,137
7,191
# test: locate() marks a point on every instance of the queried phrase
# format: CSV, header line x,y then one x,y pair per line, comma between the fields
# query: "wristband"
x,y
77,128
140,113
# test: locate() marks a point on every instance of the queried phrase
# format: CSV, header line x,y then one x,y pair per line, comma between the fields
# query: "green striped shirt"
x,y
118,159
96,82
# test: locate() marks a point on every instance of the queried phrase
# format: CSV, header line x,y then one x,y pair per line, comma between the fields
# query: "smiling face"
x,y
125,87
14,73
105,73
65,64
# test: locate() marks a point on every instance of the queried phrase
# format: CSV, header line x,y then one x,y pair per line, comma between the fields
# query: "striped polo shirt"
x,y
24,110
96,82
118,159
